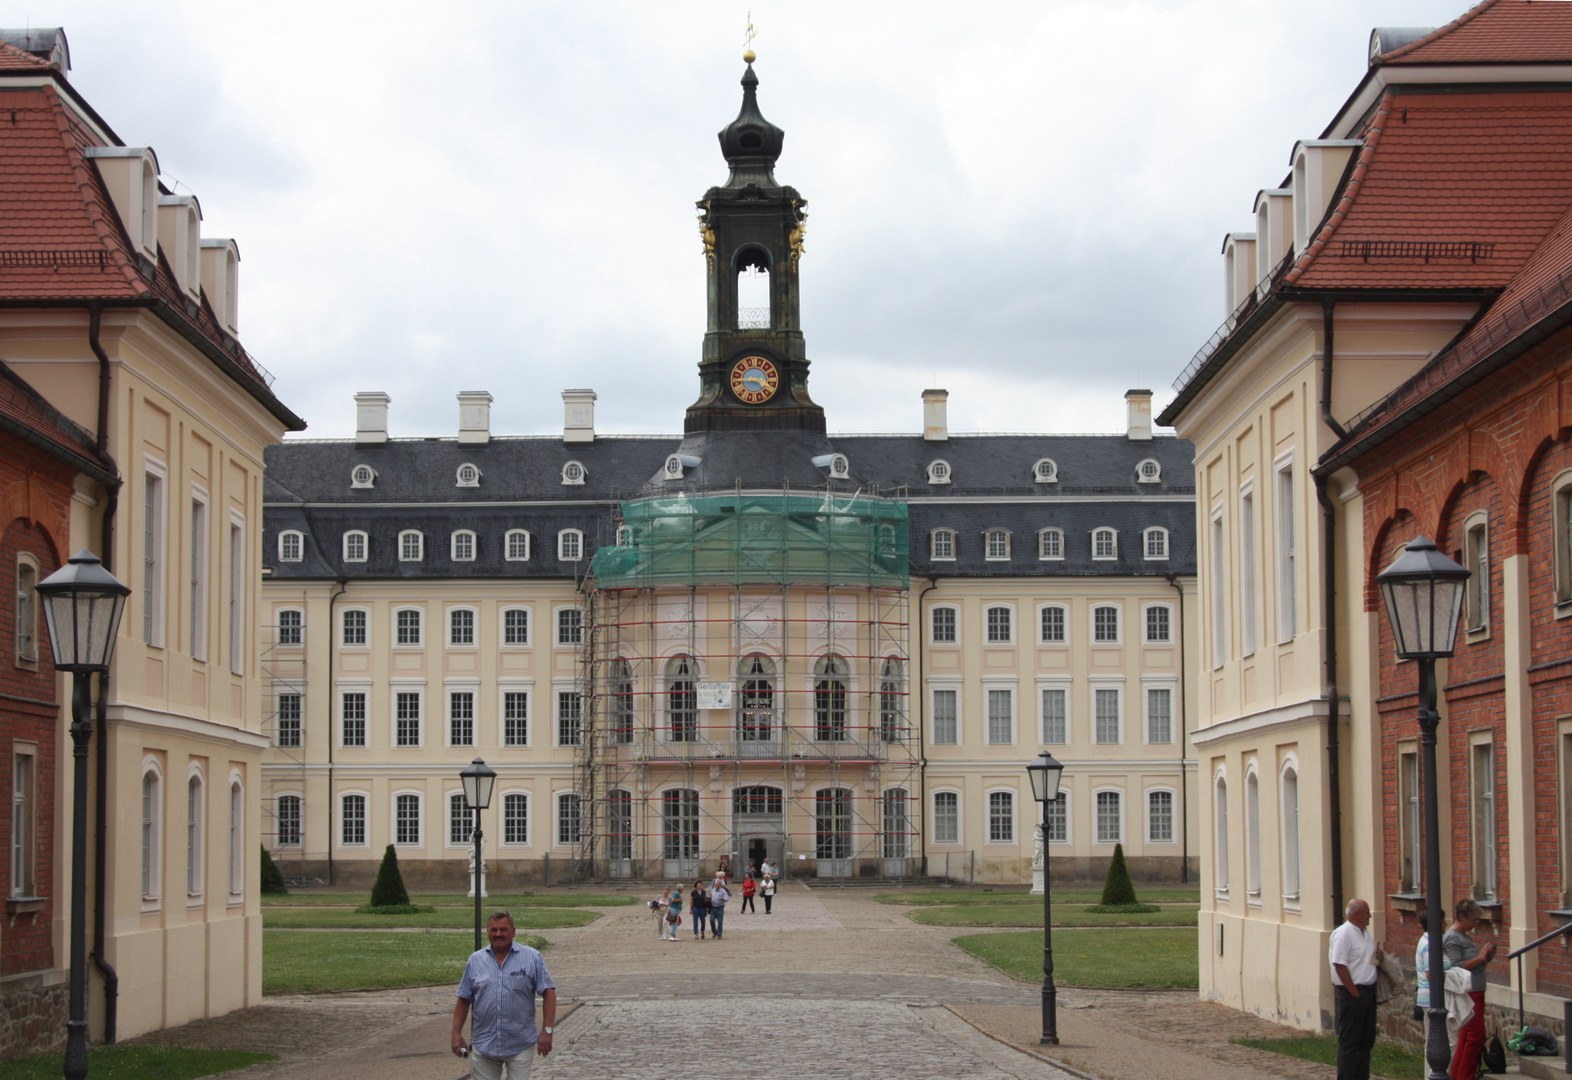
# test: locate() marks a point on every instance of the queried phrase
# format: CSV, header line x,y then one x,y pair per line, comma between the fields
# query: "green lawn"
x,y
135,1063
491,903
1387,1059
1032,915
447,918
1160,959
961,896
295,962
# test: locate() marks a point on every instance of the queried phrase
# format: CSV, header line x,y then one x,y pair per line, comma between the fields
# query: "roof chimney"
x,y
935,422
371,418
1139,406
578,416
474,417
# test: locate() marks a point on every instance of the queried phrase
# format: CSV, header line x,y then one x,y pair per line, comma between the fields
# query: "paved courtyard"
x,y
831,984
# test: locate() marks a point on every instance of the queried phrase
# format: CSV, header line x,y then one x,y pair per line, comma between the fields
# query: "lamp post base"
x,y
75,1067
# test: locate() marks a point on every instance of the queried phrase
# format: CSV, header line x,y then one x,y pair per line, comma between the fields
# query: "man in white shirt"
x,y
1353,955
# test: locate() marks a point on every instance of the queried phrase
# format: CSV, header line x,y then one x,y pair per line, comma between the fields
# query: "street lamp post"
x,y
478,780
1044,774
82,607
1424,597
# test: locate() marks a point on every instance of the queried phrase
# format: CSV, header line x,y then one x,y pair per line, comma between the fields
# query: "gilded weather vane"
x,y
747,40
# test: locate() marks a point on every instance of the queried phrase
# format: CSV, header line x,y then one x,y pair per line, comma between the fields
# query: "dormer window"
x,y
1149,472
516,546
468,475
840,468
355,546
411,546
1050,544
942,544
290,546
463,545
362,476
573,473
997,545
1105,544
1156,543
624,535
938,472
673,469
1045,472
570,545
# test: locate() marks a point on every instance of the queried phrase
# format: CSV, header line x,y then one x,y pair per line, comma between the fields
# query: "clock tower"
x,y
754,371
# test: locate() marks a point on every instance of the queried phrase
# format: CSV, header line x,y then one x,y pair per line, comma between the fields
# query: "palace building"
x,y
750,640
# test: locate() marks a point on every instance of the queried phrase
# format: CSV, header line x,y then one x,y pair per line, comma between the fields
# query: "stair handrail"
x,y
1517,954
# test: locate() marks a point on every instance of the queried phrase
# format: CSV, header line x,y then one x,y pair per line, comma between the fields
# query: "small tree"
x,y
1118,889
389,889
272,879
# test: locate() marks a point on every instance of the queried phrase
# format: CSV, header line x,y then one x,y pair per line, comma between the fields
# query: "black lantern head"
x,y
82,605
1045,773
478,781
1424,599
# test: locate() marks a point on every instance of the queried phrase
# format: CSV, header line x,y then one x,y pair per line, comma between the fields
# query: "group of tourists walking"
x,y
706,904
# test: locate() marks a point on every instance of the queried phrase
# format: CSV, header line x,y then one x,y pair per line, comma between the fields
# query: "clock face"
x,y
754,380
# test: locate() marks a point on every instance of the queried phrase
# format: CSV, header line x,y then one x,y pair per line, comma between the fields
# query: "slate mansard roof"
x,y
308,488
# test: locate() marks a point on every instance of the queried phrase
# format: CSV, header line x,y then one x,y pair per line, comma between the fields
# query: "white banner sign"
x,y
714,695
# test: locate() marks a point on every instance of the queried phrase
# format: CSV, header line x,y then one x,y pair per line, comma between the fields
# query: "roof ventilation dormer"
x,y
1238,269
46,43
1385,39
474,417
180,235
1274,234
221,282
1318,166
578,416
130,174
838,466
935,419
371,418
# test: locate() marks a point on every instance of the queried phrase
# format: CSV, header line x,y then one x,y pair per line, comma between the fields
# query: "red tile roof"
x,y
1496,32
25,413
14,59
1449,191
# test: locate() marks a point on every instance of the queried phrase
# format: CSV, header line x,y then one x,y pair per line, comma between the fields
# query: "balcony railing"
x,y
1264,288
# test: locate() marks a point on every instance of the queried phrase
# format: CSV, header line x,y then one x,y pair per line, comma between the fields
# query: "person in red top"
x,y
748,889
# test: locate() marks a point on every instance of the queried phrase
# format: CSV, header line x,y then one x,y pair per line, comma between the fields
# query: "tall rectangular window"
x,y
1058,820
291,627
1486,863
1105,624
570,718
570,819
461,820
1476,557
1110,817
515,626
1219,591
355,546
196,816
1287,607
1159,817
515,718
152,818
289,715
946,817
461,627
406,718
352,711
198,579
942,544
24,825
1052,625
354,627
1409,823
515,818
1000,717
406,819
570,626
999,628
1105,715
1001,817
945,729
944,624
1247,573
1056,726
153,559
407,623
237,842
1159,714
237,599
1159,630
352,820
26,610
287,811
461,718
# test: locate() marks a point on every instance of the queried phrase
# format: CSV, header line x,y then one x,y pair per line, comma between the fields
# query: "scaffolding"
x,y
743,690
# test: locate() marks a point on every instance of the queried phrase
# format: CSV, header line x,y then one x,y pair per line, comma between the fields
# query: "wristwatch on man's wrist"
x,y
545,1031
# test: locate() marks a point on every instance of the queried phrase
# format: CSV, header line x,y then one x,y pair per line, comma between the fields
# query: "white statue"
x,y
1039,855
483,892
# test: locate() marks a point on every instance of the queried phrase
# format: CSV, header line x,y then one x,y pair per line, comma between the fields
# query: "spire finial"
x,y
748,55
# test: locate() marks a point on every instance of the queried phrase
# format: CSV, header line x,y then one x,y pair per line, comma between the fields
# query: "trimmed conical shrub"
x,y
389,889
1118,889
272,879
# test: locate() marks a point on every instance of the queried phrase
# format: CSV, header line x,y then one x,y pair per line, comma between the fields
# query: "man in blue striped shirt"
x,y
500,984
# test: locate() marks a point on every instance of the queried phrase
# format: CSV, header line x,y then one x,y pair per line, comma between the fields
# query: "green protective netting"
x,y
758,539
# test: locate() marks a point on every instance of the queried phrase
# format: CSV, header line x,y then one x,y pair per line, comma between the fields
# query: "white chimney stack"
x,y
1139,407
371,418
935,422
474,417
578,416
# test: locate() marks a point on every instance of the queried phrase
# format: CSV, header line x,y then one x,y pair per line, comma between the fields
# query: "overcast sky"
x,y
1020,202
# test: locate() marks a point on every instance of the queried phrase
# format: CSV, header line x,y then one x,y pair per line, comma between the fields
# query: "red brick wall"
x,y
35,506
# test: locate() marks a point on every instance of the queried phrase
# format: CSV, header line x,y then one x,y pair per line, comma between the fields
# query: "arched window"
x,y
196,819
515,818
1050,544
679,816
1290,793
1220,833
1000,622
570,545
897,823
946,817
517,547
1001,817
1159,624
1052,626
406,820
1045,471
1105,544
406,622
287,821
1105,624
682,699
939,472
461,626
570,818
411,546
997,545
829,699
1159,817
463,546
1110,817
942,544
892,703
573,473
468,475
753,290
756,704
619,679
1149,472
1253,834
356,546
237,840
291,543
1156,545
152,832
26,608
832,824
944,622
461,820
352,820
291,627
362,476
619,824
354,626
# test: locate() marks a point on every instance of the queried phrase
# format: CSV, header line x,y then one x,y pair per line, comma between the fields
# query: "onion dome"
x,y
751,143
